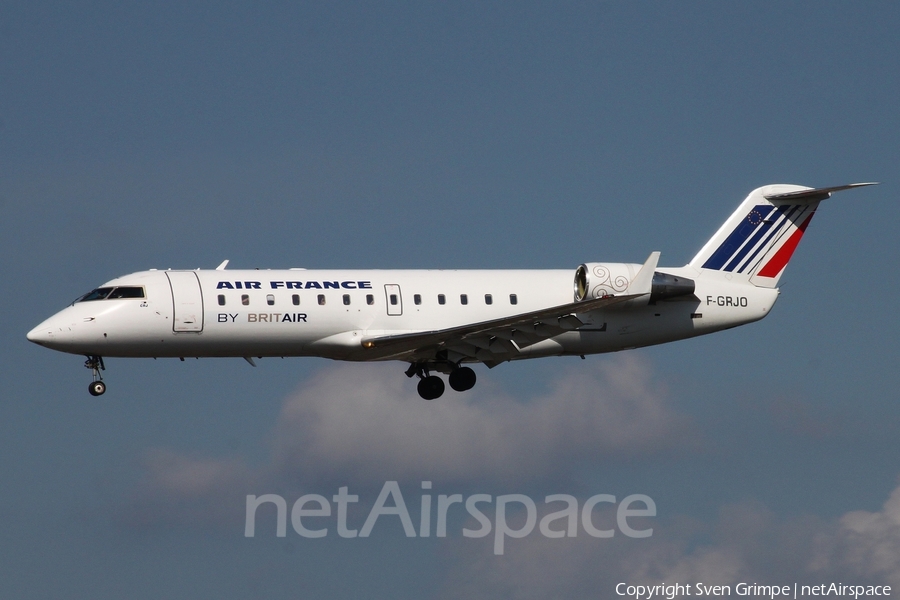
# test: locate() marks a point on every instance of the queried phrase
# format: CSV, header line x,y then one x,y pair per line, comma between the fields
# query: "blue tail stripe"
x,y
760,232
766,226
733,242
790,210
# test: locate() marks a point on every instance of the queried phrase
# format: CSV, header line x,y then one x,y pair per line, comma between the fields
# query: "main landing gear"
x,y
95,364
462,379
431,386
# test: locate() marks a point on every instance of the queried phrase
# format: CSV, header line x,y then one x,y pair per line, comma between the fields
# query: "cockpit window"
x,y
110,293
127,292
98,294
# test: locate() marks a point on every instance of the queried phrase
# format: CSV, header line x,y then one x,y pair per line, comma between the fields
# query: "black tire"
x,y
462,379
431,387
97,388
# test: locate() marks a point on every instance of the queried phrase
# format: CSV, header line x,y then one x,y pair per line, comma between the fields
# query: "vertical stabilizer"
x,y
758,240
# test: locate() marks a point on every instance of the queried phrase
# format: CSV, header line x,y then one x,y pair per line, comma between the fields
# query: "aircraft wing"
x,y
494,341
499,340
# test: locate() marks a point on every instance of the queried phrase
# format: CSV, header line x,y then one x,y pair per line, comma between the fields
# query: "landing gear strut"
x,y
430,386
95,364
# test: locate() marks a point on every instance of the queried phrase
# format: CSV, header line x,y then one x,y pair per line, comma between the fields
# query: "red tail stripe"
x,y
781,258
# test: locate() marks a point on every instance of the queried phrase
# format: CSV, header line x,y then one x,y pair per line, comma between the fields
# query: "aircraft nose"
x,y
42,334
54,333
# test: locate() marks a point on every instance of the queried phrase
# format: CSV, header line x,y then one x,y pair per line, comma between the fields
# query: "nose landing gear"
x,y
95,364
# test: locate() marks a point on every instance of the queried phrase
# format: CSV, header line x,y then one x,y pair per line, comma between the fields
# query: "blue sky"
x,y
410,135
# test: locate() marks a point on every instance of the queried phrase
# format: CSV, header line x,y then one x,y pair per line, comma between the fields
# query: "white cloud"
x,y
360,425
538,567
187,491
747,543
865,544
365,423
581,567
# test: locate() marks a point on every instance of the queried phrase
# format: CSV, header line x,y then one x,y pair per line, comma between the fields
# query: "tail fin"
x,y
758,239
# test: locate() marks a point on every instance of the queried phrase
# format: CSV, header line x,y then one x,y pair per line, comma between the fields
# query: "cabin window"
x,y
321,299
488,299
221,299
270,299
442,299
370,299
245,299
513,299
393,299
346,299
463,298
296,299
417,299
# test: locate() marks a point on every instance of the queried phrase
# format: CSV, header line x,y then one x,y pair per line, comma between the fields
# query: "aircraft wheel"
x,y
462,379
431,387
97,388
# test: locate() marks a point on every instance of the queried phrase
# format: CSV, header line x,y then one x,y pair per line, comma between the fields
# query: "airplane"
x,y
440,321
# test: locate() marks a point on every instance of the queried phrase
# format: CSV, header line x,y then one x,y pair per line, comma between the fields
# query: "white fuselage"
x,y
328,313
437,320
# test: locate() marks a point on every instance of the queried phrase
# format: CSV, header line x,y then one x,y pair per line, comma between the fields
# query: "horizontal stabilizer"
x,y
817,194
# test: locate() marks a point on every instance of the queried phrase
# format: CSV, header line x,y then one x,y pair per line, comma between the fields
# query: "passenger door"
x,y
187,301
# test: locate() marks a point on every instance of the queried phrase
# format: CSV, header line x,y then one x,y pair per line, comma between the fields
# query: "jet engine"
x,y
598,280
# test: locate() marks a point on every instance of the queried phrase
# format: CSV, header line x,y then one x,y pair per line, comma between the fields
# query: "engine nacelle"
x,y
598,280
